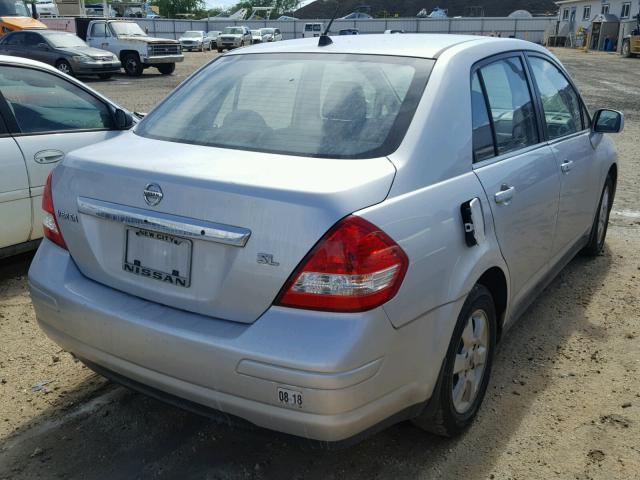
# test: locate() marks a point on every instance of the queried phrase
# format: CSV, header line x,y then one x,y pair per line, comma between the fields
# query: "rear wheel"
x,y
64,67
601,221
167,68
466,369
132,64
219,50
626,48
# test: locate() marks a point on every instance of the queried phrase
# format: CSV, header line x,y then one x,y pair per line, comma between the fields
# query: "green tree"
x,y
169,8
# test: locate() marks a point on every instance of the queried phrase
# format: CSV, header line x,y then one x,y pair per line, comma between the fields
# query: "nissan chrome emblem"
x,y
152,194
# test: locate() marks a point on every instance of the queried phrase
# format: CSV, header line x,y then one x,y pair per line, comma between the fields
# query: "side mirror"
x,y
122,120
608,121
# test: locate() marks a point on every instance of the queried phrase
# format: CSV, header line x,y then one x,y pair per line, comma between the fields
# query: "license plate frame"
x,y
180,277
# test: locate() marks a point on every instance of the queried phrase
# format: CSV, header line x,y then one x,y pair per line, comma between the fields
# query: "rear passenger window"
x,y
561,104
482,135
510,105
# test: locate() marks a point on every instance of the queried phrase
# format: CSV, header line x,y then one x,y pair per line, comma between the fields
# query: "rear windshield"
x,y
315,105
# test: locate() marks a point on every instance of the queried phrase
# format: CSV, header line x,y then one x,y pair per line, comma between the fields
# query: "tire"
x,y
105,76
626,49
601,221
132,64
202,47
64,67
167,68
242,44
219,50
450,413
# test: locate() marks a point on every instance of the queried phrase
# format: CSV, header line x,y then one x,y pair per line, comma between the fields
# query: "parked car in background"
x,y
135,49
194,40
44,115
388,32
234,37
349,31
212,38
313,29
65,51
272,34
257,36
368,277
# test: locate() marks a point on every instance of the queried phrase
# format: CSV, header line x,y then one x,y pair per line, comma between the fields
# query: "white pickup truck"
x,y
135,49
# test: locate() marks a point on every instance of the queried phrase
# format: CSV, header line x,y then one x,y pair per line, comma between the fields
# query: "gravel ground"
x,y
563,402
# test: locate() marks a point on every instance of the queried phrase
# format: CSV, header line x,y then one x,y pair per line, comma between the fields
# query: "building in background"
x,y
594,23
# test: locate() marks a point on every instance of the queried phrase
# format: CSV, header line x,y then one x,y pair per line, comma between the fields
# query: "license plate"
x,y
290,398
158,256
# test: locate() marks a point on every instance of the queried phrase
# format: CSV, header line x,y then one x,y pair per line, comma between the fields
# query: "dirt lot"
x,y
564,400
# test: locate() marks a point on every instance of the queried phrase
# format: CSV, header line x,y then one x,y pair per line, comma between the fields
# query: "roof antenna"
x,y
325,39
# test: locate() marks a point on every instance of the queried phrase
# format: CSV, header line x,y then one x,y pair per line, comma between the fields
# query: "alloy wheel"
x,y
64,68
470,362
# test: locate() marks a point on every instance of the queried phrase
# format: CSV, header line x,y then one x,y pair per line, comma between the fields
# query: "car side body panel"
x,y
428,225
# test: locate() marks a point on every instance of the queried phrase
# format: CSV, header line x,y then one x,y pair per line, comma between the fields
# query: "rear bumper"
x,y
353,371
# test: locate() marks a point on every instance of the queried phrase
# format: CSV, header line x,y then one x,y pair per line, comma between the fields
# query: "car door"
x,y
98,35
49,117
516,168
15,204
14,44
37,48
569,135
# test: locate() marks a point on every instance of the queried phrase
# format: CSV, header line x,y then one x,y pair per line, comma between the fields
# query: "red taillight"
x,y
355,267
49,222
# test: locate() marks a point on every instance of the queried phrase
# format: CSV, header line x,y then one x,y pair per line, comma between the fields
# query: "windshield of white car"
x,y
314,105
192,34
267,30
14,8
213,34
233,31
63,40
127,29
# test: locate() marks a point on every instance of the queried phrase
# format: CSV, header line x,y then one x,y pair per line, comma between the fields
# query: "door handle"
x,y
566,166
505,195
48,156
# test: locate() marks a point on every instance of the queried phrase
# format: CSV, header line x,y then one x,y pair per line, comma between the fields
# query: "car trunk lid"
x,y
219,232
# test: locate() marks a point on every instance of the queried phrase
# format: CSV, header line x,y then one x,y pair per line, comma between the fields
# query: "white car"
x,y
212,38
44,114
258,37
272,34
234,37
195,40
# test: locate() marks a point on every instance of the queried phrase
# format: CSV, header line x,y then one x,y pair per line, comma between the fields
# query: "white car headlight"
x,y
83,59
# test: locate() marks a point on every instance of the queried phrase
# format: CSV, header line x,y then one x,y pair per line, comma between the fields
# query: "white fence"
x,y
532,29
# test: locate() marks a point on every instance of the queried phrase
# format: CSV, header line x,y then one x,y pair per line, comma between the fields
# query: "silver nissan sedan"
x,y
324,238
